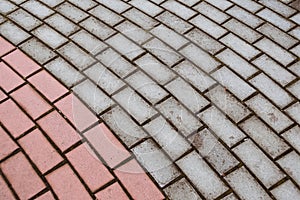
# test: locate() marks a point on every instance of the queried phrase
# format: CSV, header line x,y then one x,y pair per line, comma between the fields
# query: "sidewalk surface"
x,y
149,99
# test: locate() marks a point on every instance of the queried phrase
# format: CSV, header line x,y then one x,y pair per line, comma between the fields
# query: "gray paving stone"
x,y
146,87
189,2
106,15
6,7
216,154
37,9
134,105
147,7
269,141
245,16
233,83
24,19
249,5
85,5
223,128
279,7
155,69
295,68
62,24
286,191
187,95
228,103
194,75
293,137
116,5
295,89
13,33
245,185
104,78
178,9
295,32
296,50
18,1
51,3
291,165
49,36
2,19
64,72
123,126
37,50
211,12
181,189
293,111
221,4
112,60
156,163
168,139
230,197
97,28
197,170
80,59
71,12
179,116
269,113
140,18
92,96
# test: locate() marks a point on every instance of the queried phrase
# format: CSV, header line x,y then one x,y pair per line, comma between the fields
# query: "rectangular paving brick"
x,y
245,16
293,137
6,7
97,28
71,12
5,191
221,4
5,46
113,191
85,5
140,18
279,7
291,164
178,9
40,151
9,79
7,144
37,9
294,111
62,24
106,15
196,170
211,12
248,5
51,3
13,33
116,5
46,196
287,190
22,176
24,19
147,7
66,184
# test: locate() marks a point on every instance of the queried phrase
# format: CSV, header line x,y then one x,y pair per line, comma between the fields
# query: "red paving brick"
x,y
5,192
62,133
21,63
22,176
107,145
114,191
5,46
47,85
66,184
31,101
14,119
7,145
9,80
76,112
2,95
46,196
40,150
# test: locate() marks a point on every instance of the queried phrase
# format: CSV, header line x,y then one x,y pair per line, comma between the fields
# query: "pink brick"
x,y
8,78
21,63
7,145
2,95
112,192
5,46
40,150
89,167
80,116
66,184
107,145
56,127
47,85
9,113
22,177
31,101
137,183
5,193
46,196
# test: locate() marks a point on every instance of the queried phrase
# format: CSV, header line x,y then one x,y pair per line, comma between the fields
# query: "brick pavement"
x,y
150,99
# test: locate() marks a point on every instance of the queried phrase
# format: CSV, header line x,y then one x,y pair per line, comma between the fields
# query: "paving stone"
x,y
146,87
295,32
295,89
106,15
64,72
222,127
233,83
235,62
49,36
245,16
279,7
274,70
147,7
290,164
37,9
170,140
13,33
40,52
163,51
269,141
293,137
2,19
245,185
228,103
295,68
85,5
211,12
71,12
216,154
274,92
88,42
18,1
189,2
242,30
196,170
7,145
98,101
113,191
296,18
179,116
187,95
296,50
205,41
248,5
155,69
62,24
274,51
294,111
287,190
51,3
208,26
178,9
5,191
194,75
48,195
116,5
140,18
6,7
221,4
80,59
97,28
112,60
200,58
174,22
9,80
24,19
156,162
181,189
